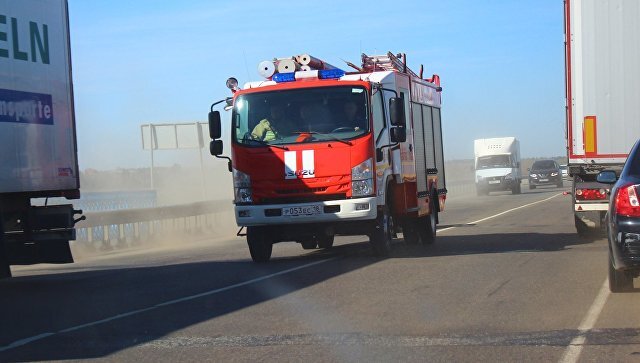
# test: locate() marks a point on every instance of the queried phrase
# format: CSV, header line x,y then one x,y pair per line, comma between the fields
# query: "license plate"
x,y
494,181
306,210
544,180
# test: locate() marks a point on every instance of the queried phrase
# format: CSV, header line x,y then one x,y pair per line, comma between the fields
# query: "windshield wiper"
x,y
327,136
265,143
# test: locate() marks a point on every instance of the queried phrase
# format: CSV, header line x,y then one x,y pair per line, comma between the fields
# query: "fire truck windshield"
x,y
300,115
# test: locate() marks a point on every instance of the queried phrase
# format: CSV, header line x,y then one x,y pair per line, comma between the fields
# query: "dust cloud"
x,y
180,186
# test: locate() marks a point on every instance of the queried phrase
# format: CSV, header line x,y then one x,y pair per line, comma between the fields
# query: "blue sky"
x,y
501,63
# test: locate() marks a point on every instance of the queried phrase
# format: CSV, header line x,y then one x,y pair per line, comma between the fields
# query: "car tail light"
x,y
591,194
627,201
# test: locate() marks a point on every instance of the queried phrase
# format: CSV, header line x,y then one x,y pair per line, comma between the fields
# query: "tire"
x,y
516,189
581,228
5,269
619,281
410,231
428,230
381,233
309,244
260,244
325,242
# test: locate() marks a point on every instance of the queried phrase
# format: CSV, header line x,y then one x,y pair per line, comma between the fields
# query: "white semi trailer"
x,y
602,53
38,157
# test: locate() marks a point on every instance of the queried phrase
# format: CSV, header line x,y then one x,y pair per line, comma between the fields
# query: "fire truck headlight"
x,y
241,180
243,195
363,170
362,179
242,187
361,188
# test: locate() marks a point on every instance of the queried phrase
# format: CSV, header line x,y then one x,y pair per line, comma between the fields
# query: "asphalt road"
x,y
507,280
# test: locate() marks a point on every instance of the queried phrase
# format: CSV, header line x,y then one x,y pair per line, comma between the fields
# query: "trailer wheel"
x,y
5,270
619,281
581,227
309,244
515,189
325,241
260,243
381,234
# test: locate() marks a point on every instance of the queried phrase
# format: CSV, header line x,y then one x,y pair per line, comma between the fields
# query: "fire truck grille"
x,y
303,199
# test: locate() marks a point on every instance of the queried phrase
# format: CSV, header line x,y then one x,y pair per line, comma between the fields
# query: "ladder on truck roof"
x,y
387,62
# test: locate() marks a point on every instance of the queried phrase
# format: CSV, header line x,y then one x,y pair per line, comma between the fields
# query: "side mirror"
x,y
398,134
215,147
396,112
215,128
607,177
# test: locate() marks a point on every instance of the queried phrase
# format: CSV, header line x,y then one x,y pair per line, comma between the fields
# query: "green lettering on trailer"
x,y
34,34
17,53
3,38
38,40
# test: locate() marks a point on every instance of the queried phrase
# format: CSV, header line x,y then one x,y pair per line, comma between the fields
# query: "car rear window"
x,y
634,161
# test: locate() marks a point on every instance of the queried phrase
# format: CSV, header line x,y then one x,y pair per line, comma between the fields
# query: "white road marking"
x,y
41,336
501,213
572,353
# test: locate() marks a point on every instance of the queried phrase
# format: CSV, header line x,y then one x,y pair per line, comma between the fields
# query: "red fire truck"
x,y
318,152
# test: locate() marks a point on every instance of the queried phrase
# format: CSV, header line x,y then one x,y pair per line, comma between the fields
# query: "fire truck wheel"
x,y
410,232
325,242
428,230
260,244
381,234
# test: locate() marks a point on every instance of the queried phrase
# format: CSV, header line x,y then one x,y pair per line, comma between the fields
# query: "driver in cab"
x,y
271,128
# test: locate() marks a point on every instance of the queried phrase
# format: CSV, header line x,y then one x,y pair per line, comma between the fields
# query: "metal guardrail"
x,y
136,224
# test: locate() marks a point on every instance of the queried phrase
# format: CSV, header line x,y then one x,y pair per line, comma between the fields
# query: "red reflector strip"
x,y
591,194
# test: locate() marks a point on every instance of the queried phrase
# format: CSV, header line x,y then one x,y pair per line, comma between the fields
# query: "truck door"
x,y
381,135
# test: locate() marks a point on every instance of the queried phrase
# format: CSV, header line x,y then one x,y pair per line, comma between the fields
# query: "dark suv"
x,y
545,172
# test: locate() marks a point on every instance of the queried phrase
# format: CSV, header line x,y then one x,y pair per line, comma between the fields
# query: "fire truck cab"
x,y
321,152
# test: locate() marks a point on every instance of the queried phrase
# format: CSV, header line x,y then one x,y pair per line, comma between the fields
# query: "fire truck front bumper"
x,y
314,212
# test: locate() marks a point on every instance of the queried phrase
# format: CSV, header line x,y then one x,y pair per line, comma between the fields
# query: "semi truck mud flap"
x,y
29,253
